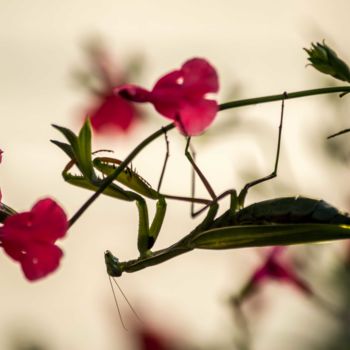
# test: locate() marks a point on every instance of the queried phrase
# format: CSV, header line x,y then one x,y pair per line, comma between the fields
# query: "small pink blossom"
x,y
30,237
273,269
181,96
109,114
154,338
112,114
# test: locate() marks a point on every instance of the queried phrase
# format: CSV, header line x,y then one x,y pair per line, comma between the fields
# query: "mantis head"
x,y
113,265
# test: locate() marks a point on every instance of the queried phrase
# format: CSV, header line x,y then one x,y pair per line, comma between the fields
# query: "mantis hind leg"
x,y
244,191
196,170
237,201
165,161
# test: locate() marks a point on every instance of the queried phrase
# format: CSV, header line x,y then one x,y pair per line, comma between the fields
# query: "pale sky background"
x,y
254,44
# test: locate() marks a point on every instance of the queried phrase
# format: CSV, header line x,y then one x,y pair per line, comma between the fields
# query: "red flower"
x,y
181,96
274,269
29,238
108,113
112,113
151,338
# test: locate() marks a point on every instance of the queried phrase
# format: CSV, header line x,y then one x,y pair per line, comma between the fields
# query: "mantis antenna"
x,y
117,304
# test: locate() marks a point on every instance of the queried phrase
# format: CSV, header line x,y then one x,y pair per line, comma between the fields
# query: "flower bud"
x,y
325,60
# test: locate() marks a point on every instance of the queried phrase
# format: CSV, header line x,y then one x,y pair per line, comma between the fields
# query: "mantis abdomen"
x,y
290,210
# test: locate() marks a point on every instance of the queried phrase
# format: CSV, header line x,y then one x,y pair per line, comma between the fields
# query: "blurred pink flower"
x,y
149,338
181,95
273,269
108,113
112,114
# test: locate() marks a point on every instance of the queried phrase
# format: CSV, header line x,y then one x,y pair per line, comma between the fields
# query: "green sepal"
x,y
69,135
84,150
268,235
80,148
325,60
66,148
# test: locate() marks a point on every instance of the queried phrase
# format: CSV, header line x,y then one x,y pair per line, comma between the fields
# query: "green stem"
x,y
224,106
289,95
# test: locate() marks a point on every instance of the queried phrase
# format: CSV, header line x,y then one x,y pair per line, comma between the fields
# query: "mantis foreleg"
x,y
244,191
79,150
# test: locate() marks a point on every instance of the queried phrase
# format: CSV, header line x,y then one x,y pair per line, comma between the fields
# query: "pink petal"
x,y
168,82
40,260
167,95
49,221
28,238
197,116
45,222
17,228
15,248
180,96
199,77
133,93
113,112
274,269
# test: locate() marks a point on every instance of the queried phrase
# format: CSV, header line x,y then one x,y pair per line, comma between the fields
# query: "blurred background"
x,y
49,69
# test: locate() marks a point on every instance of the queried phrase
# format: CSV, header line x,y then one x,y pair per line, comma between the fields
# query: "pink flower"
x,y
108,113
112,113
273,269
181,96
151,338
30,237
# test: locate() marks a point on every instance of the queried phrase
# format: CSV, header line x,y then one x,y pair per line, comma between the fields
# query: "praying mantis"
x,y
279,221
79,151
